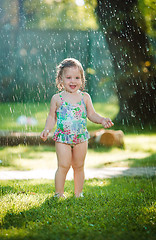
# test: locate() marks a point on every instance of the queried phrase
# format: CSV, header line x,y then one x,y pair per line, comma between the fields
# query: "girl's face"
x,y
71,79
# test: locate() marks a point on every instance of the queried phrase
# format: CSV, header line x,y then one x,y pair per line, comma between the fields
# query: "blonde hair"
x,y
67,63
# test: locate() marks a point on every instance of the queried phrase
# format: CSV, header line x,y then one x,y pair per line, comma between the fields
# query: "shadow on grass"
x,y
149,161
112,208
10,155
28,149
6,190
100,148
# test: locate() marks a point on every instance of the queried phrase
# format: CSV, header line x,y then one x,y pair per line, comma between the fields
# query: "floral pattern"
x,y
71,123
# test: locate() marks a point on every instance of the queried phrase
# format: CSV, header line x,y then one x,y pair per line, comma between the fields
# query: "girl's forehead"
x,y
70,70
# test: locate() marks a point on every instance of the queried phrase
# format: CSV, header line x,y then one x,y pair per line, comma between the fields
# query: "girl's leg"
x,y
78,159
64,156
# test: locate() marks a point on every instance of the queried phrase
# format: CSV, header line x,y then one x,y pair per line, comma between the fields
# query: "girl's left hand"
x,y
107,123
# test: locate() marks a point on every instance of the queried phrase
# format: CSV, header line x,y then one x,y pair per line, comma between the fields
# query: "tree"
x,y
58,14
124,28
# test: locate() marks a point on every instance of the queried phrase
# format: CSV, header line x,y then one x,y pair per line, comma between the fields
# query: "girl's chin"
x,y
73,89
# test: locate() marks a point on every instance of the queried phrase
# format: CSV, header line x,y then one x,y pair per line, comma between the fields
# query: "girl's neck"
x,y
72,98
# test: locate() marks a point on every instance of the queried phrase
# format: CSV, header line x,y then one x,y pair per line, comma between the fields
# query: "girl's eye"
x,y
77,77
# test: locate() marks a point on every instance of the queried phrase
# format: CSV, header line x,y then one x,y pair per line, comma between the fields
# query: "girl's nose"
x,y
73,79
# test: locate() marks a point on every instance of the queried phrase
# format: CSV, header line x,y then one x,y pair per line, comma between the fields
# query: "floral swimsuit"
x,y
71,123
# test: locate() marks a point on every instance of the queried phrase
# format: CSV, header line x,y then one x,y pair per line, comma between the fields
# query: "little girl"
x,y
71,108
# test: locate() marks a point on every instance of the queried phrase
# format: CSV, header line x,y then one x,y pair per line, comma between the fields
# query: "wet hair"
x,y
68,63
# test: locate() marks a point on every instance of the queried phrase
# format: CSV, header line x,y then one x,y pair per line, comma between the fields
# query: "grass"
x,y
115,209
139,151
11,111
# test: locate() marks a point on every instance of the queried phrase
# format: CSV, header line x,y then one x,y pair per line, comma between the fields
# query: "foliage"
x,y
118,209
145,7
65,14
29,74
126,29
53,14
148,8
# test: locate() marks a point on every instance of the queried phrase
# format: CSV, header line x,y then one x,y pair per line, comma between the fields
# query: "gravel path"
x,y
89,173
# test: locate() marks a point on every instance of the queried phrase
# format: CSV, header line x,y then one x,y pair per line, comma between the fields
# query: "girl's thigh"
x,y
64,154
79,154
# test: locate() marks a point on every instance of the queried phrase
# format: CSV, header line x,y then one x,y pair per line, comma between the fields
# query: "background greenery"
x,y
11,112
114,42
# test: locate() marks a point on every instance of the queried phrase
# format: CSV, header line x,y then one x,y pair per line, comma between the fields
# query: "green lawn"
x,y
113,209
139,151
11,111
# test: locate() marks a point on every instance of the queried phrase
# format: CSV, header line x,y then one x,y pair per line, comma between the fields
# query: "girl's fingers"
x,y
108,124
43,136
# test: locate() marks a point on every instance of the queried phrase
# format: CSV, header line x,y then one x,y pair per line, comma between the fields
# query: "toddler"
x,y
70,108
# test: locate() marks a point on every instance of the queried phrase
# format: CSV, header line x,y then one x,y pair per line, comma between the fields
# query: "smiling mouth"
x,y
72,86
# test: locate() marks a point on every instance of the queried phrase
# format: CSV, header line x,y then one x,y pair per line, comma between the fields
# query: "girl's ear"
x,y
82,87
61,82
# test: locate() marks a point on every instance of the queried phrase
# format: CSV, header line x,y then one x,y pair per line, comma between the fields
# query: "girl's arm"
x,y
95,117
51,119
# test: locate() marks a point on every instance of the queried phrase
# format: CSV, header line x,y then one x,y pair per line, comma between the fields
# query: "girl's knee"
x,y
64,167
78,167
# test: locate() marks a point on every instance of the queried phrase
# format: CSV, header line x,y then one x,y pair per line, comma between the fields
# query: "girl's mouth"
x,y
72,86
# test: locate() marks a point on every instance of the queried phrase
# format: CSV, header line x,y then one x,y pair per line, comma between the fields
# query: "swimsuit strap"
x,y
61,98
83,99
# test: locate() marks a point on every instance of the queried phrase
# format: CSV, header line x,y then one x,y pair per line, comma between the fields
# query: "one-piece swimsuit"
x,y
71,122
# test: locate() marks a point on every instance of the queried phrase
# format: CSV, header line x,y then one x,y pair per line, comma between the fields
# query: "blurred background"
x,y
116,44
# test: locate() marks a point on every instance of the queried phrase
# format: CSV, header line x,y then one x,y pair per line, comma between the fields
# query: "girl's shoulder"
x,y
56,97
86,95
86,98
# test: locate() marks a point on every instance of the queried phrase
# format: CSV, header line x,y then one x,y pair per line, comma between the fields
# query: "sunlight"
x,y
100,183
79,3
50,1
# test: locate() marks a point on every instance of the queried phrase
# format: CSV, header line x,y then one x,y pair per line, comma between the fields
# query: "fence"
x,y
28,62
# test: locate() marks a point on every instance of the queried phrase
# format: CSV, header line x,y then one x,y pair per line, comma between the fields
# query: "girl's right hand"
x,y
44,134
107,123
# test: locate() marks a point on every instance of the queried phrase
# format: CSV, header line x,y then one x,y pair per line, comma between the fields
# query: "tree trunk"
x,y
134,80
21,14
